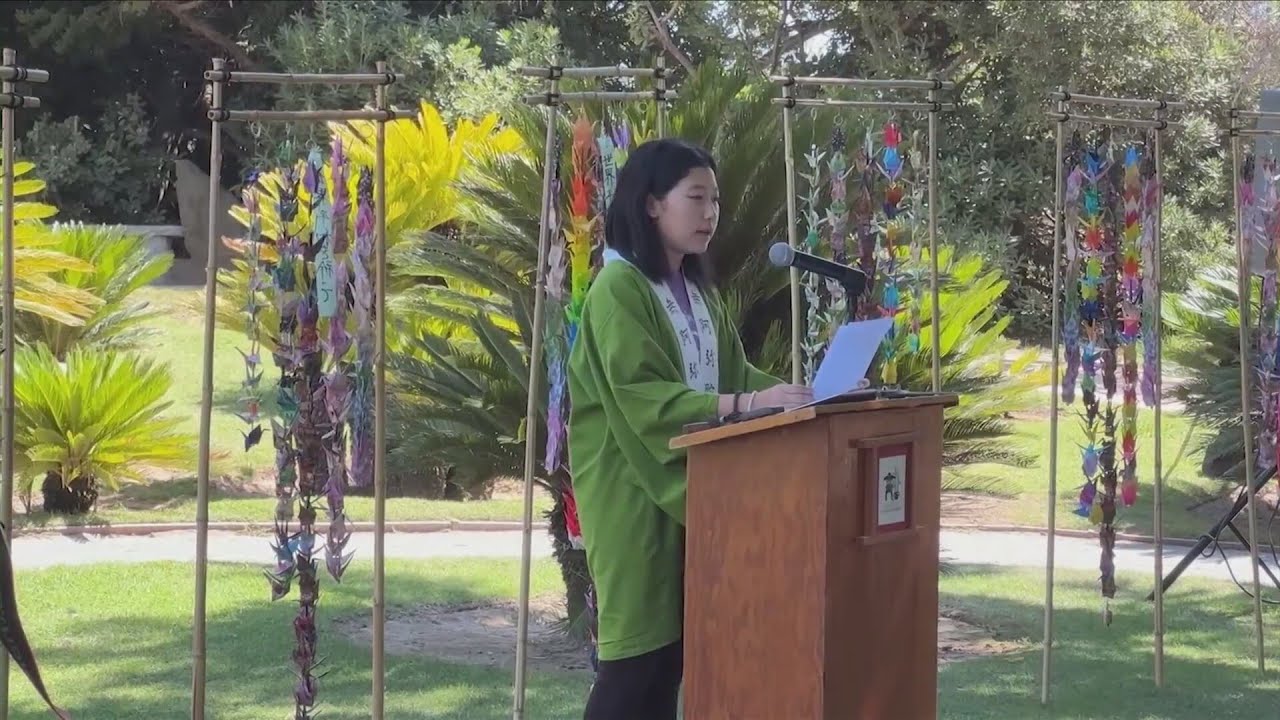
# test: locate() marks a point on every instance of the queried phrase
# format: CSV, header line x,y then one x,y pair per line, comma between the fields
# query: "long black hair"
x,y
652,169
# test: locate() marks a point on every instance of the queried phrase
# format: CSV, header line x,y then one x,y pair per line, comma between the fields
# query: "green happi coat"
x,y
629,397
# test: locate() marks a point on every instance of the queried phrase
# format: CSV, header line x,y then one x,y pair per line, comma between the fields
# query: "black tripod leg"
x,y
1258,483
1261,563
1185,562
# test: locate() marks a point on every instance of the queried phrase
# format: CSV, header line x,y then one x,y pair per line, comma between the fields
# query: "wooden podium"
x,y
811,564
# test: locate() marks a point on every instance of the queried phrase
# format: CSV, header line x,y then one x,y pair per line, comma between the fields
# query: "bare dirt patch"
x,y
960,508
959,640
1034,414
485,634
478,634
1211,509
513,489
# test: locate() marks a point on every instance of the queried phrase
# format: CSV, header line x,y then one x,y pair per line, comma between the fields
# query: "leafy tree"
x,y
143,60
105,172
996,150
461,62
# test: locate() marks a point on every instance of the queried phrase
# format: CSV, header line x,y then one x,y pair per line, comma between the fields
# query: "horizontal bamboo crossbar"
x,y
14,100
1257,114
1116,102
301,115
1122,122
871,104
1253,132
235,76
11,73
860,82
608,71
601,96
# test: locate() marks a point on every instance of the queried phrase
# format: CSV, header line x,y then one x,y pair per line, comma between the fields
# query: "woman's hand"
x,y
785,396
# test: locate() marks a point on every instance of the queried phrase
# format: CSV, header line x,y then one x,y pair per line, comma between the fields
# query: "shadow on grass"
x,y
115,643
229,398
168,493
1100,672
1188,509
136,665
151,497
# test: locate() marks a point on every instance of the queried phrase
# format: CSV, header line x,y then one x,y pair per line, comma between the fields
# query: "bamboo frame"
x,y
788,101
588,73
1061,117
1253,114
380,409
870,104
218,78
265,78
553,97
559,98
1244,284
931,84
11,74
1064,96
1155,124
309,115
13,100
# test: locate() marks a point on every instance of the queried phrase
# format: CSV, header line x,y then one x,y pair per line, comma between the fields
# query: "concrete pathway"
x,y
49,549
1027,549
1014,549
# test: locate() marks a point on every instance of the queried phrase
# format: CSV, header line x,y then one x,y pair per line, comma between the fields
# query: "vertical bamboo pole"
x,y
6,490
1047,661
531,409
1158,463
198,660
380,410
660,84
936,319
797,374
1244,284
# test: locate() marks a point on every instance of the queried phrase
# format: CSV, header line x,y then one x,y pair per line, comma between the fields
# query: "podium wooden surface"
x,y
811,591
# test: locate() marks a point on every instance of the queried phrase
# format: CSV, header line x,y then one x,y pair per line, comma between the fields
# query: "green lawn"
x,y
241,495
182,327
1105,673
114,642
1025,490
163,504
237,496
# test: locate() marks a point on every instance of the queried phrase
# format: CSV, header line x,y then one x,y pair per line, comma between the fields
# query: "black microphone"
x,y
853,279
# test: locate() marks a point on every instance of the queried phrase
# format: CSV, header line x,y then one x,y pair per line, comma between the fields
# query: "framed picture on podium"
x,y
884,476
892,487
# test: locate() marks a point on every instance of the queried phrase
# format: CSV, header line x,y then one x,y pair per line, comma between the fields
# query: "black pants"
x,y
644,687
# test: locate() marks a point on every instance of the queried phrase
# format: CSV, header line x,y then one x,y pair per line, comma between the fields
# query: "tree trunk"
x,y
78,497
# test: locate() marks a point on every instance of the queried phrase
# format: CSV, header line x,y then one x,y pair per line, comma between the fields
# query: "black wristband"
x,y
736,396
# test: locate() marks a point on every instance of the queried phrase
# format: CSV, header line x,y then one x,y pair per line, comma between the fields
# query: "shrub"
x,y
92,422
118,265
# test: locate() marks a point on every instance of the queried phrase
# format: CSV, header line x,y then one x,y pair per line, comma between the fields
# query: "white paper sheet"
x,y
849,357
